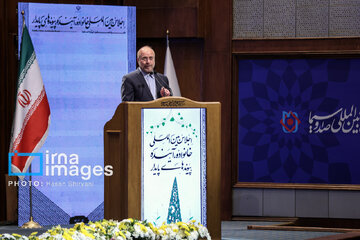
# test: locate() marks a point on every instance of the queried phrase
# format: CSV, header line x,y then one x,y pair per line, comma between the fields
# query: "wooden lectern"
x,y
122,150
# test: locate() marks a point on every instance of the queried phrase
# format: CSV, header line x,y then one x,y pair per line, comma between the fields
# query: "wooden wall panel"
x,y
3,110
187,56
161,3
217,84
183,18
9,89
183,21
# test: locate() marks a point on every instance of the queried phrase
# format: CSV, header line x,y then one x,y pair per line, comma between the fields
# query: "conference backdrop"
x,y
298,120
83,51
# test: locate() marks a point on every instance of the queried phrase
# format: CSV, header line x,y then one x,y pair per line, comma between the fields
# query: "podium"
x,y
147,142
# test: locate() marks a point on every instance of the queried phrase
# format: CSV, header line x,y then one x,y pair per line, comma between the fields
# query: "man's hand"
x,y
164,92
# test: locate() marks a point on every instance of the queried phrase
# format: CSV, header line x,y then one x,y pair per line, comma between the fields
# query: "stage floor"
x,y
26,232
230,230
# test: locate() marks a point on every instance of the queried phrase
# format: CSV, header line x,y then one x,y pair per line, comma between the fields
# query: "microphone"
x,y
164,83
162,90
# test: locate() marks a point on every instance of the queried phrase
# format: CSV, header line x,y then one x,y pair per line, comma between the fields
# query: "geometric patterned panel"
x,y
345,18
312,18
248,14
44,211
97,214
279,18
295,18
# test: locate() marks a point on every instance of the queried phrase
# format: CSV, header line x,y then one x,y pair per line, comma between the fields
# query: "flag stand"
x,y
31,223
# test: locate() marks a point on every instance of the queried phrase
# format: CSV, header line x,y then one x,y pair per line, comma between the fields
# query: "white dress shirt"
x,y
150,80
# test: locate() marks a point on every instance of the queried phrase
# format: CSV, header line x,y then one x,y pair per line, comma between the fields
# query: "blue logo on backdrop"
x,y
16,154
290,122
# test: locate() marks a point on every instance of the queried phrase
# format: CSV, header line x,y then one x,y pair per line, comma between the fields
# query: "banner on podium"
x,y
173,165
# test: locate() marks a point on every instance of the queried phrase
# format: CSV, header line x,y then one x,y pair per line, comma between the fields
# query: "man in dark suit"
x,y
144,84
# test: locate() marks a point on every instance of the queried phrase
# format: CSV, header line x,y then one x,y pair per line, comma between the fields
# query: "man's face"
x,y
146,60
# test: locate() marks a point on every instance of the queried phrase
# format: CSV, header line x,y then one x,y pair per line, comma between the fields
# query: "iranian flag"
x,y
32,112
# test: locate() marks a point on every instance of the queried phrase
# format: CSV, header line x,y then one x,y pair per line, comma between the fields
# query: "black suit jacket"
x,y
135,88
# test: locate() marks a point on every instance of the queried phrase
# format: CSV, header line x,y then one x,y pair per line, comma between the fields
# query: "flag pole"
x,y
169,69
30,223
167,37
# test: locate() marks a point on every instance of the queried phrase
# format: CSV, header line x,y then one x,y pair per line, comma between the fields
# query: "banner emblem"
x,y
24,98
290,122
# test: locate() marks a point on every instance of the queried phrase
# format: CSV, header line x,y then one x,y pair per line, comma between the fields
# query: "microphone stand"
x,y
163,84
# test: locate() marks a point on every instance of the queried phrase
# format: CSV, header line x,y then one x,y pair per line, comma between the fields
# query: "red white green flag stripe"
x,y
32,112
